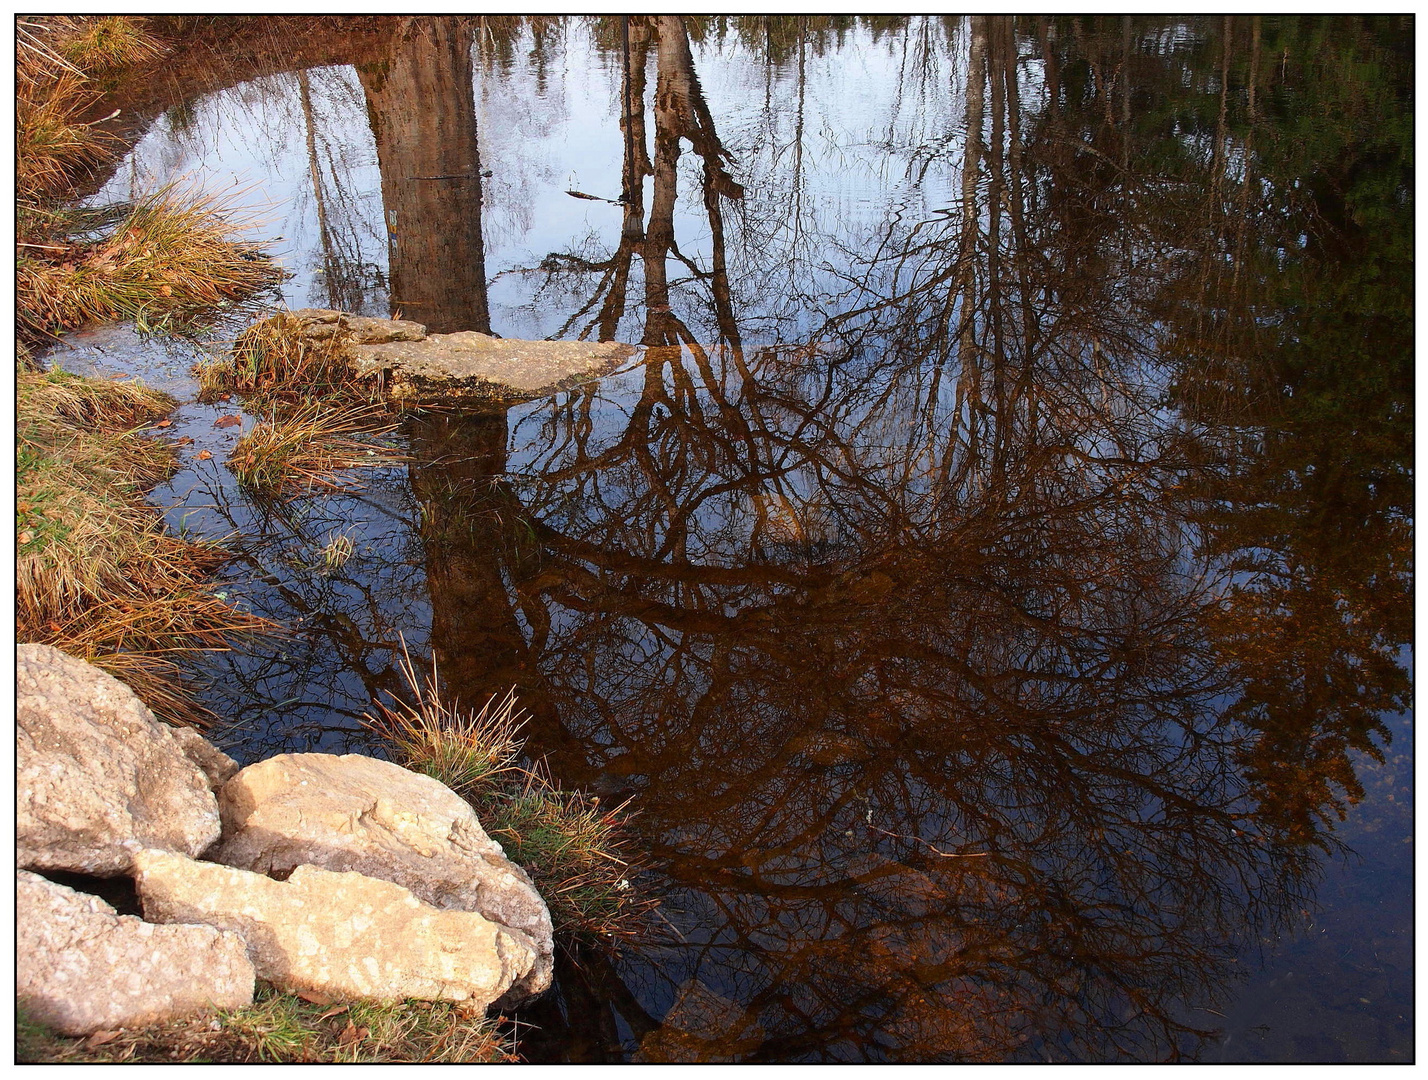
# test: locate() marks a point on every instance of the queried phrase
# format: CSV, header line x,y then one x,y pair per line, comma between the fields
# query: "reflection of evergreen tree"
x,y
1275,158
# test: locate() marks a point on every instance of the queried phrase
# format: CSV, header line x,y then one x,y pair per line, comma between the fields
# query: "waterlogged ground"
x,y
992,582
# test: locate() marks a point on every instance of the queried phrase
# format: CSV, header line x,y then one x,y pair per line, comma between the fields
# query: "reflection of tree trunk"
x,y
968,410
637,167
681,111
476,540
423,114
659,236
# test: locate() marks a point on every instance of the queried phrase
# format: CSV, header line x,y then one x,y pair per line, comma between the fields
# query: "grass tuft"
x,y
56,58
276,364
307,449
465,751
282,1028
52,144
338,549
573,848
104,43
169,258
97,574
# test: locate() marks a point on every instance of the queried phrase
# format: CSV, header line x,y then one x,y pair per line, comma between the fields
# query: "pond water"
x,y
992,584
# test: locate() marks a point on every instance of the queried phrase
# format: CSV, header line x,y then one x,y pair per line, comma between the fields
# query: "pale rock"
x,y
96,774
81,968
374,817
465,364
522,368
344,935
213,762
322,323
364,330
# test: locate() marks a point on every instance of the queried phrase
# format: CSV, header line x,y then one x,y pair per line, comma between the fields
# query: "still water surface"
x,y
992,584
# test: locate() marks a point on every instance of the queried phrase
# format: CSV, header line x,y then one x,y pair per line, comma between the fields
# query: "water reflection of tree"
x,y
1047,720
350,281
307,688
987,662
679,111
1282,319
421,101
946,747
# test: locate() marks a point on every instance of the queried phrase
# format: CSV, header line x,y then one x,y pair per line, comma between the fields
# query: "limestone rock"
x,y
80,967
466,364
374,817
320,323
529,368
364,330
340,934
213,762
96,774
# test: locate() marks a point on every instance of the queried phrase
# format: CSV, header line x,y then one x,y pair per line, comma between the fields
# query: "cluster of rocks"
x,y
342,876
467,363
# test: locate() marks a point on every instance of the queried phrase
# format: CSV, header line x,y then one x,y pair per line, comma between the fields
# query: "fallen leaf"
x,y
228,421
185,441
26,537
202,455
164,423
353,1034
54,628
315,997
335,1012
225,397
24,508
99,1038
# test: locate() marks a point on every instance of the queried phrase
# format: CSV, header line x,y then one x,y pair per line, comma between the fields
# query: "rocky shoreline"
x,y
339,876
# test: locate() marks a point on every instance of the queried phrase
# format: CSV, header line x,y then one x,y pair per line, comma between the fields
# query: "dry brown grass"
x,y
52,144
97,574
170,257
161,261
56,59
310,448
274,363
97,44
464,751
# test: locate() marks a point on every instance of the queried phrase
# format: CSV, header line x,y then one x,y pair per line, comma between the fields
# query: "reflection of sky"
x,y
875,137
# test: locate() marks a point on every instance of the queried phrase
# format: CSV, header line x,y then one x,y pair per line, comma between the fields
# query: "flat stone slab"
x,y
531,368
467,364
